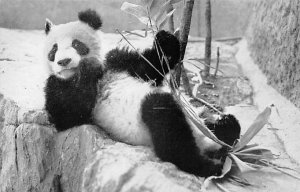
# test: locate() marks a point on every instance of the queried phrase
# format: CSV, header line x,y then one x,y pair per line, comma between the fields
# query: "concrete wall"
x,y
274,41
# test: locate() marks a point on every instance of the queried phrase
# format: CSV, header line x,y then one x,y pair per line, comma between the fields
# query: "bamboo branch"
x,y
198,18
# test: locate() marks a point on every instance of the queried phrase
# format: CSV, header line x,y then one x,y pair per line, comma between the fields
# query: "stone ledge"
x,y
34,157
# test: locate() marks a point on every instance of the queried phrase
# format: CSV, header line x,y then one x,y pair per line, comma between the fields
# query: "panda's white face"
x,y
67,44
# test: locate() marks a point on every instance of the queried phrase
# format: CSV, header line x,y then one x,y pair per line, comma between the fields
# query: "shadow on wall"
x,y
229,17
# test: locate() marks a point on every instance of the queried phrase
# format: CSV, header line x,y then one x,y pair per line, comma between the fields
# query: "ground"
x,y
22,79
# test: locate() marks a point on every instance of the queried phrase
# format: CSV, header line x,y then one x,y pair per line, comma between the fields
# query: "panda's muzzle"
x,y
64,62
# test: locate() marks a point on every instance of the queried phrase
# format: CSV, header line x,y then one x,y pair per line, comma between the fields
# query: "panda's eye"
x,y
80,47
51,54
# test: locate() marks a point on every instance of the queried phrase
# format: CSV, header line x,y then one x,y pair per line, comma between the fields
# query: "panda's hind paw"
x,y
227,128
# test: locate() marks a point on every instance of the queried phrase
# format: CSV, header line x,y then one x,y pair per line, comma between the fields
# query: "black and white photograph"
x,y
149,95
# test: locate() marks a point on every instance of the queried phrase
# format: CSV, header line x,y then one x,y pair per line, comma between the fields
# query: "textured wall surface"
x,y
274,41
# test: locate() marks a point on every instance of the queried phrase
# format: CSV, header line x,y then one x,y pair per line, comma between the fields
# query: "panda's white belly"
x,y
117,108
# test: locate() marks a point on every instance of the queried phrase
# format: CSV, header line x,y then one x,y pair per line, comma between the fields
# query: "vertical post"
x,y
199,18
218,60
208,38
183,37
185,25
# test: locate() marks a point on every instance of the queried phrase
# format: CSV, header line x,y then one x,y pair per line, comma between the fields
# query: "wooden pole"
x,y
184,31
208,38
199,18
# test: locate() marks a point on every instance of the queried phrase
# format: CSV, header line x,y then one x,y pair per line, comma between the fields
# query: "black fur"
x,y
51,54
80,47
227,129
48,26
125,60
172,136
69,102
91,18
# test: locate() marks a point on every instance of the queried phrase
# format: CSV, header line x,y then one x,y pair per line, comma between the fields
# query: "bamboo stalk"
x,y
183,37
218,61
208,38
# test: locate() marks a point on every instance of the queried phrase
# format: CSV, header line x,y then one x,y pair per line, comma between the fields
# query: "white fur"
x,y
204,143
63,35
118,107
117,110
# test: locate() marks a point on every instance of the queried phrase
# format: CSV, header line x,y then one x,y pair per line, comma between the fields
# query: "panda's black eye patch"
x,y
51,54
80,47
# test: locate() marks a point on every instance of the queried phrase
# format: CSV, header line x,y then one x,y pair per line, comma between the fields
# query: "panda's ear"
x,y
91,18
48,26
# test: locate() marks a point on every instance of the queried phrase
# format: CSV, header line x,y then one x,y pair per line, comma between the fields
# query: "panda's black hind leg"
x,y
226,128
172,136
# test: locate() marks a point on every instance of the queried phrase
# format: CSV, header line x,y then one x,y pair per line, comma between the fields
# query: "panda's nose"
x,y
64,62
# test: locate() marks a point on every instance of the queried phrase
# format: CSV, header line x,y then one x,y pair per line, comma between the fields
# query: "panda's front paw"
x,y
90,67
170,46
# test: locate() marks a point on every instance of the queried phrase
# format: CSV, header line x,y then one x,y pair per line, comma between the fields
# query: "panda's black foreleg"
x,y
90,70
172,136
131,61
69,102
164,44
170,46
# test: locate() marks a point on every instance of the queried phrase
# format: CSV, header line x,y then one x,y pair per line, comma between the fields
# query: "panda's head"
x,y
66,44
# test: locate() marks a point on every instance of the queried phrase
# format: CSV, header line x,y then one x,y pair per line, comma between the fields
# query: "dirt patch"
x,y
226,91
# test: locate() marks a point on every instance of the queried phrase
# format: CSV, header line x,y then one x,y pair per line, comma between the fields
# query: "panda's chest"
x,y
117,110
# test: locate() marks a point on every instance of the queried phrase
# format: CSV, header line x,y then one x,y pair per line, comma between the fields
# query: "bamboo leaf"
x,y
274,166
252,157
239,180
256,126
242,166
162,10
175,1
136,34
146,3
162,24
226,167
136,10
221,187
255,153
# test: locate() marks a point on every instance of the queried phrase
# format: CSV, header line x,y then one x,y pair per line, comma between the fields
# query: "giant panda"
x,y
125,96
